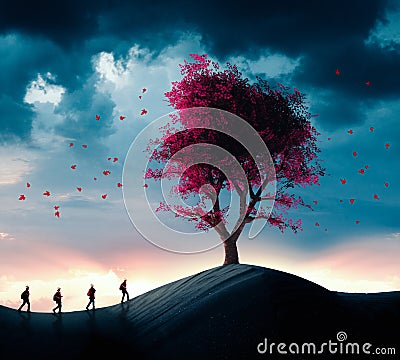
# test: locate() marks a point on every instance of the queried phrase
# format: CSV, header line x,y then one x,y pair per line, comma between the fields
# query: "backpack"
x,y
89,292
55,297
24,295
121,287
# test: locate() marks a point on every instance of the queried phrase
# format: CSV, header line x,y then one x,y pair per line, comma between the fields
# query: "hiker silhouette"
x,y
122,287
57,298
25,299
90,293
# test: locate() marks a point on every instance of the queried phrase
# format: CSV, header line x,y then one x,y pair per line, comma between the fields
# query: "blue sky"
x,y
59,72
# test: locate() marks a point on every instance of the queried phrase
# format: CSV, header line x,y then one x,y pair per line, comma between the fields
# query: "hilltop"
x,y
221,313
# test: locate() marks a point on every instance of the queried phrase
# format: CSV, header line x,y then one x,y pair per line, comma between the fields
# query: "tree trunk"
x,y
230,247
231,252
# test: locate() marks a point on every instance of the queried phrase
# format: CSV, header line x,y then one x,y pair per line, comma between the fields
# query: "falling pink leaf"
x,y
315,202
71,144
119,185
361,171
368,83
79,189
97,117
109,159
115,159
337,72
144,90
366,166
350,131
387,145
57,213
122,117
106,172
84,146
56,207
46,193
143,112
341,200
351,201
386,184
343,181
329,138
145,186
376,197
317,224
354,153
28,185
371,129
22,197
73,167
104,196
140,96
94,178
357,222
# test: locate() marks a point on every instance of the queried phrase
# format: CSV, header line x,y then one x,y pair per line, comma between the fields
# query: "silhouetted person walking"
x,y
122,287
25,299
90,293
57,298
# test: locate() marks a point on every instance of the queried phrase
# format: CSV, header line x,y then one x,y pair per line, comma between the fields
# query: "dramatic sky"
x,y
64,63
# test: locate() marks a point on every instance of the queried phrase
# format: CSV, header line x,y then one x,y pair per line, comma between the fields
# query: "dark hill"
x,y
222,313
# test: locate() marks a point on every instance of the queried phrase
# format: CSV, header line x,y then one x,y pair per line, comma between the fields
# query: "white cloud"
x,y
395,235
43,90
15,163
124,78
270,65
45,95
334,281
388,32
6,236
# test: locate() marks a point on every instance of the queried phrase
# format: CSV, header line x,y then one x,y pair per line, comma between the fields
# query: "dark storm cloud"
x,y
22,58
20,61
64,22
15,118
79,109
347,96
61,37
358,64
292,26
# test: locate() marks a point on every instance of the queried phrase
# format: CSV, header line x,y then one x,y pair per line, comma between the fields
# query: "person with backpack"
x,y
90,293
25,300
57,298
122,287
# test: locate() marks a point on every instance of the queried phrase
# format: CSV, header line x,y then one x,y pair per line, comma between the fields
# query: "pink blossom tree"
x,y
282,120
